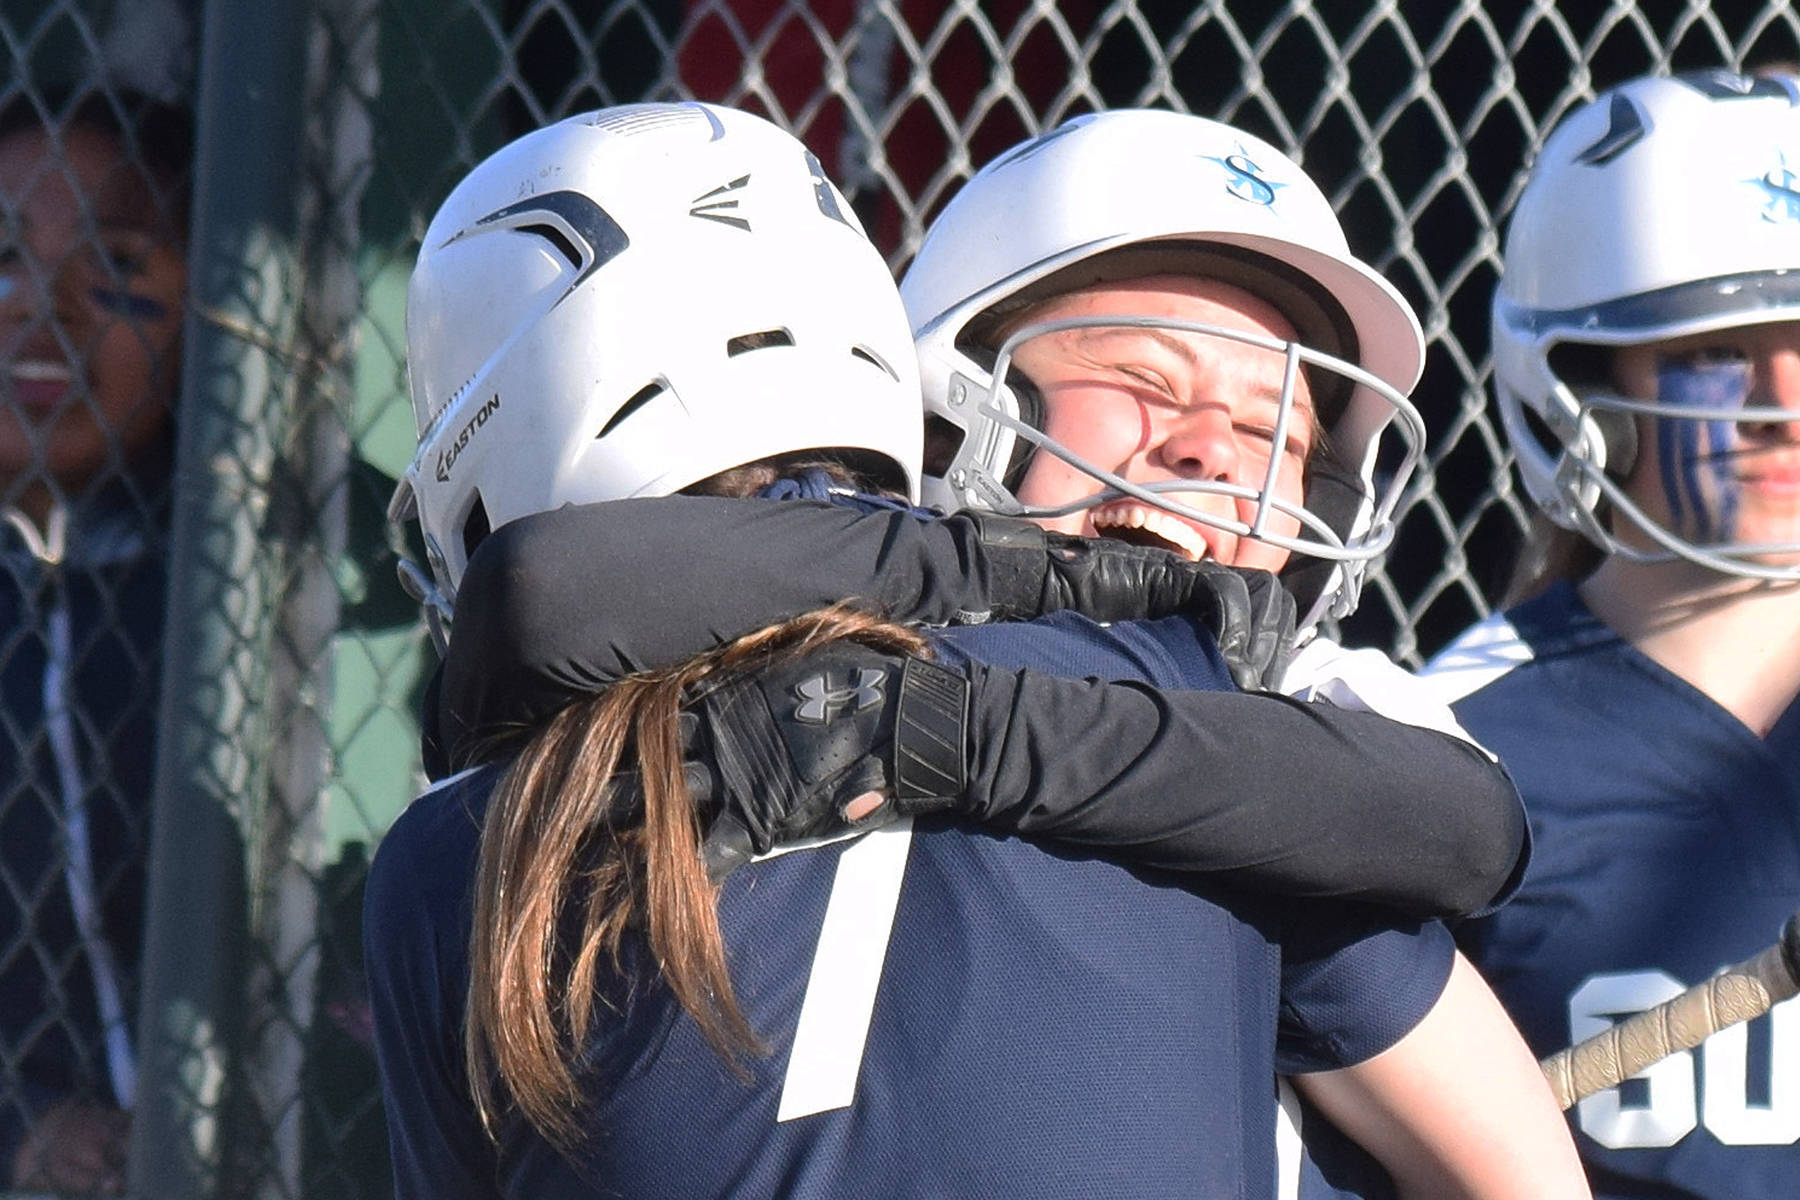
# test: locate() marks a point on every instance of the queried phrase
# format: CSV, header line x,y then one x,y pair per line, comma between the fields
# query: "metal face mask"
x,y
996,409
1707,470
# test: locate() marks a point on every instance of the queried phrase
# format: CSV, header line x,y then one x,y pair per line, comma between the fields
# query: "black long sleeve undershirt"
x,y
558,605
1257,791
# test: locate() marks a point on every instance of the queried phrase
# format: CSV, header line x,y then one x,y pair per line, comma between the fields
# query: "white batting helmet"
x,y
1663,208
630,301
1137,192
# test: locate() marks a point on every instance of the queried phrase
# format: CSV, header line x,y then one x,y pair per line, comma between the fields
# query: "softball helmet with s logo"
x,y
1664,208
1133,193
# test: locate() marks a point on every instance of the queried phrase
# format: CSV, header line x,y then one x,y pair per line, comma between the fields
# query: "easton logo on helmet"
x,y
447,458
708,207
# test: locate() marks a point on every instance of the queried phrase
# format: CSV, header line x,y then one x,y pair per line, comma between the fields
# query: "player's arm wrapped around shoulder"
x,y
556,606
1254,791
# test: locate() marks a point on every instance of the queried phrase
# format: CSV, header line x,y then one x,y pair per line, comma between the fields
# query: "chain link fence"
x,y
179,931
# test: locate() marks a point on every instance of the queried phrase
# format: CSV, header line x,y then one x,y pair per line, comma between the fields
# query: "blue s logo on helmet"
x,y
1783,198
1244,179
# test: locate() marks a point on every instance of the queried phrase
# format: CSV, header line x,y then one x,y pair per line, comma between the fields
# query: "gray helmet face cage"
x,y
436,603
1579,474
974,485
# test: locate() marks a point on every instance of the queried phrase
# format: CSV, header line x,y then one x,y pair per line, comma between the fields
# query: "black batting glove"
x,y
783,751
1251,615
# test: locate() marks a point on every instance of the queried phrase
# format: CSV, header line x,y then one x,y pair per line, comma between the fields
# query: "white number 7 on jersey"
x,y
846,971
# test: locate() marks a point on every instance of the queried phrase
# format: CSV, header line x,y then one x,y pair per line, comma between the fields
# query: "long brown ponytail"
x,y
559,844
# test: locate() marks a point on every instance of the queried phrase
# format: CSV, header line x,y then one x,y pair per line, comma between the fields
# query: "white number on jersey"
x,y
1710,1087
846,971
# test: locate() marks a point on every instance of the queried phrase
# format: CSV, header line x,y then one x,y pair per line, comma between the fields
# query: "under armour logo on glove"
x,y
821,703
865,721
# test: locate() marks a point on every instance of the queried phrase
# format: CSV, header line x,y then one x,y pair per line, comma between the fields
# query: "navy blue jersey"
x,y
948,1013
1667,846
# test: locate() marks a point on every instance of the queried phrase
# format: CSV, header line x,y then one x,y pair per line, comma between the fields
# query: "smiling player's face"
x,y
1155,405
1720,480
91,287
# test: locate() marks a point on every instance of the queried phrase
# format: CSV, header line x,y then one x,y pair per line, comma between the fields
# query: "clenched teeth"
x,y
1169,528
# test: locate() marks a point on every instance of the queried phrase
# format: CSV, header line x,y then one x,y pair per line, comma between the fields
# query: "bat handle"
x,y
1736,994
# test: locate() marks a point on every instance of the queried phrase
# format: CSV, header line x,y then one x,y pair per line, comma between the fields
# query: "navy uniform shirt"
x,y
1667,846
973,1016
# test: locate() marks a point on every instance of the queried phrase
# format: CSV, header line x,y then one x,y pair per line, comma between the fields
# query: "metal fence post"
x,y
211,779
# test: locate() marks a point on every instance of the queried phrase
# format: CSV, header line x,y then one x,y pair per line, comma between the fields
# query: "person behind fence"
x,y
92,281
1642,685
578,1069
